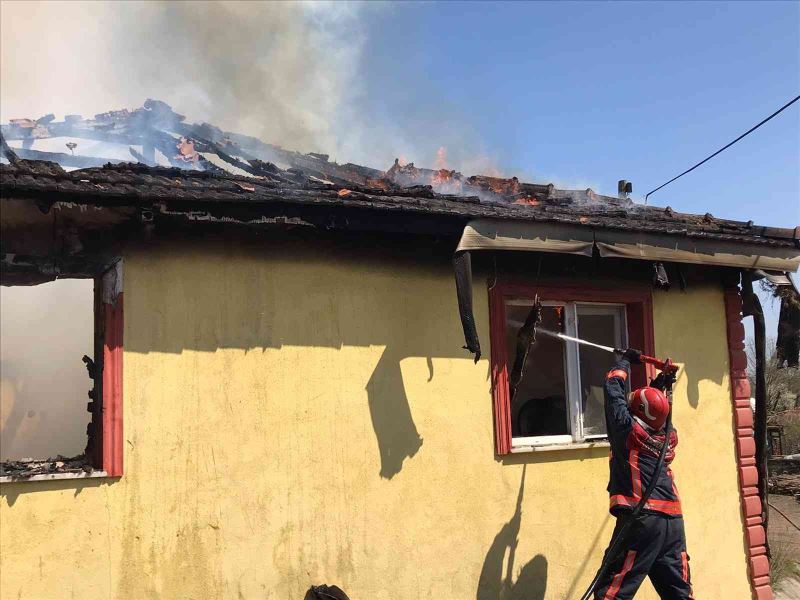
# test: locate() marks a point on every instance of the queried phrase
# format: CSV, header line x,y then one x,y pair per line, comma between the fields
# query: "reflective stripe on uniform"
x,y
685,573
616,582
617,373
668,507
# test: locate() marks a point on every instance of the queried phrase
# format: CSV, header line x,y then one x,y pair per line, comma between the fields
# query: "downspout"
x,y
751,306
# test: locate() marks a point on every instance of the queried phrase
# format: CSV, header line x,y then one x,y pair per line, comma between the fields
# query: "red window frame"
x,y
638,303
112,388
106,438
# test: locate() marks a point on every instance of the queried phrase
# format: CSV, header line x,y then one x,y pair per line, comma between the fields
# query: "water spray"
x,y
569,338
661,365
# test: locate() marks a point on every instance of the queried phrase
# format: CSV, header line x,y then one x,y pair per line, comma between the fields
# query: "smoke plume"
x,y
284,72
288,73
46,329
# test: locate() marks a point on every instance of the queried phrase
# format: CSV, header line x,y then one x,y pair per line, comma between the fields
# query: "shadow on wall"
x,y
585,568
687,365
382,299
394,426
11,491
692,387
531,581
695,340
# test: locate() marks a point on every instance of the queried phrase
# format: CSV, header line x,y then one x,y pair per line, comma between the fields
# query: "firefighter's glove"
x,y
632,356
663,380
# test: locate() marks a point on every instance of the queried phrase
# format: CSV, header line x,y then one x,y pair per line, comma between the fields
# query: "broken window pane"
x,y
539,407
602,325
45,330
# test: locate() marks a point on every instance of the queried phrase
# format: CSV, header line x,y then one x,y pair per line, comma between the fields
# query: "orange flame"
x,y
187,151
441,158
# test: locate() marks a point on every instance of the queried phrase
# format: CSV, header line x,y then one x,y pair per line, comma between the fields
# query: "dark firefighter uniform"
x,y
655,545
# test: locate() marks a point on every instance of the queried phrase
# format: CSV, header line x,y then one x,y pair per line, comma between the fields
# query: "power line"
x,y
746,133
792,523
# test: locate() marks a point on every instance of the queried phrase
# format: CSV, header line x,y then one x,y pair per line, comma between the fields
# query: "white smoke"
x,y
46,329
284,72
288,73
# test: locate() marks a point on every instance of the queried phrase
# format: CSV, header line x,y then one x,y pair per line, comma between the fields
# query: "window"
x,y
60,376
558,395
45,330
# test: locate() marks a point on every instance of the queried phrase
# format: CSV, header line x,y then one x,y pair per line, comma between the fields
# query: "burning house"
x,y
277,390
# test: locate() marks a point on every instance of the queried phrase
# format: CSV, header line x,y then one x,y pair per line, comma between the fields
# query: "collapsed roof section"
x,y
156,136
202,163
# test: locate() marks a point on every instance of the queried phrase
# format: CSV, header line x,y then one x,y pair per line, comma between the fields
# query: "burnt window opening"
x,y
52,338
560,395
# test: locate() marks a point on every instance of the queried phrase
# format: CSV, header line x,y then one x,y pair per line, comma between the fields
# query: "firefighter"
x,y
655,545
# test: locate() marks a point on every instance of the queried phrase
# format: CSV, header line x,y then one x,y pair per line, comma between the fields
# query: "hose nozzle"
x,y
662,365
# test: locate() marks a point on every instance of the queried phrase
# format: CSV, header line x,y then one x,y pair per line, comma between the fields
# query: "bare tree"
x,y
783,384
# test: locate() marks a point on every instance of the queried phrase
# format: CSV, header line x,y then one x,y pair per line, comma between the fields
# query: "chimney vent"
x,y
624,188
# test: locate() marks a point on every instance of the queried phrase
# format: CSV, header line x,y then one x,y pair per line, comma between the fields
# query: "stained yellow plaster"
x,y
299,417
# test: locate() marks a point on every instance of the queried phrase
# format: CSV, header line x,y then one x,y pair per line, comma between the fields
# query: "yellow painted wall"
x,y
302,416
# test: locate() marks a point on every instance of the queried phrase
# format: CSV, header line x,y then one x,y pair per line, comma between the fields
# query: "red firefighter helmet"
x,y
650,405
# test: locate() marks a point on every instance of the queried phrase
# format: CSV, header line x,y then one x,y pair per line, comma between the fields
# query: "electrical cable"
x,y
781,513
746,133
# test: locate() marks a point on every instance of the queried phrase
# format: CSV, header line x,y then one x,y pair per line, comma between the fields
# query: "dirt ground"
x,y
785,538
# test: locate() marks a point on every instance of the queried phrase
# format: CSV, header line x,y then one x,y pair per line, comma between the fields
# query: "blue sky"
x,y
591,92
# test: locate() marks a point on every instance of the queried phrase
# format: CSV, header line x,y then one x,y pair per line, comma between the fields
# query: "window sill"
x,y
54,476
557,447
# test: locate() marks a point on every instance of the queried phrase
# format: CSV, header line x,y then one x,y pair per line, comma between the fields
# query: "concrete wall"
x,y
300,416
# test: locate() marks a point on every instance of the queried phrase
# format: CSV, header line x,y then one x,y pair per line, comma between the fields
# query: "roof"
x,y
206,167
